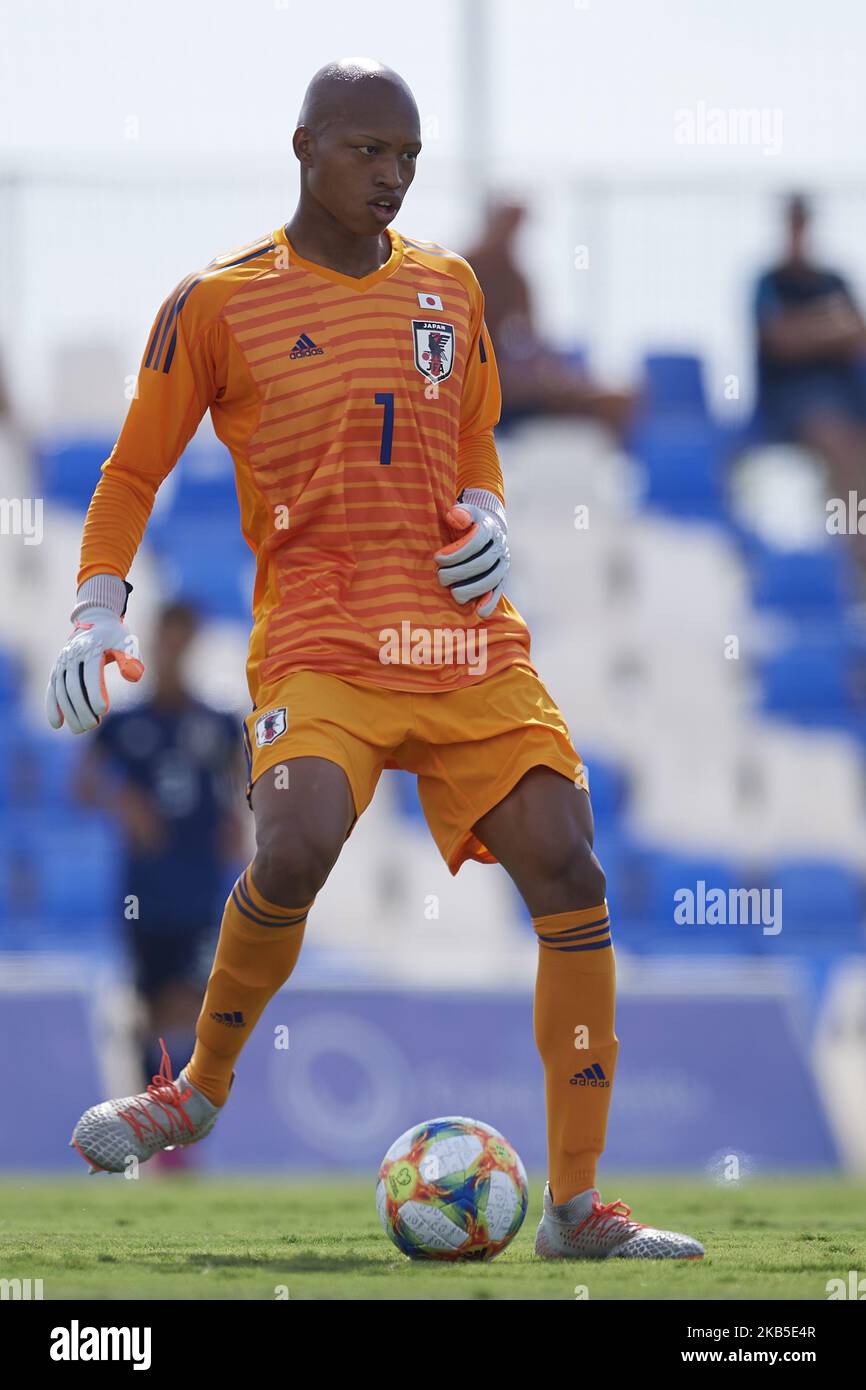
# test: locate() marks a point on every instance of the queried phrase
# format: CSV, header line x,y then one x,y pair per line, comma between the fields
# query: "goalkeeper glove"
x,y
475,565
76,690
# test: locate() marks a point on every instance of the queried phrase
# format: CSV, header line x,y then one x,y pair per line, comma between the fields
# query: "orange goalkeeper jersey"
x,y
354,410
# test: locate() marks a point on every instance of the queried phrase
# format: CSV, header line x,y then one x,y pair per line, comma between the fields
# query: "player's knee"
x,y
584,876
289,869
570,875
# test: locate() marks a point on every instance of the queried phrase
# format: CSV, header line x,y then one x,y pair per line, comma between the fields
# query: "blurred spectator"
x,y
170,771
536,378
811,344
14,449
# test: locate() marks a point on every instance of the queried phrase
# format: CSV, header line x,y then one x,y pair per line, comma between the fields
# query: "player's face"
x,y
363,164
173,642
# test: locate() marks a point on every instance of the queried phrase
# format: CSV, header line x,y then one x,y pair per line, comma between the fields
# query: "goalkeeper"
x,y
349,370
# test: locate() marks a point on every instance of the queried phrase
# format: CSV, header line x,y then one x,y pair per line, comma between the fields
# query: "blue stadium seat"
x,y
674,382
10,678
684,462
205,486
207,561
623,863
812,681
36,771
56,869
823,906
805,583
608,785
68,469
80,875
405,786
20,892
668,875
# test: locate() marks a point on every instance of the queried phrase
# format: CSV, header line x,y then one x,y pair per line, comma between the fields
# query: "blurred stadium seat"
x,y
683,457
10,677
68,469
812,680
205,486
35,771
405,793
813,583
608,785
670,876
75,885
823,905
674,384
206,559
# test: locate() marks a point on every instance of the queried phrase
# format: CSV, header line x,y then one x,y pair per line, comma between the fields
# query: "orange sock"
x,y
574,1032
258,948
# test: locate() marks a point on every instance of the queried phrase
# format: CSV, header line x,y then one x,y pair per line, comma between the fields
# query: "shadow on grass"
x,y
295,1263
310,1263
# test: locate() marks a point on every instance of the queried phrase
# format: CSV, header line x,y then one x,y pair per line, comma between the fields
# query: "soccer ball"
x,y
451,1189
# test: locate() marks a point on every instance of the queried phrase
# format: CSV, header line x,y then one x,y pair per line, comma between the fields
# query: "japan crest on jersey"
x,y
270,726
433,343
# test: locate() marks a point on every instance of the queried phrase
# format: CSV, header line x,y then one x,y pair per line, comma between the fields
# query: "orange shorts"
x,y
468,747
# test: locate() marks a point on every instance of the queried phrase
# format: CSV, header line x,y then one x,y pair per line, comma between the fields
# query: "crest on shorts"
x,y
433,343
270,726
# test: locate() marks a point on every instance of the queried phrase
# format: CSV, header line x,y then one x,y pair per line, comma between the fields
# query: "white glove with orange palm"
x,y
475,565
76,693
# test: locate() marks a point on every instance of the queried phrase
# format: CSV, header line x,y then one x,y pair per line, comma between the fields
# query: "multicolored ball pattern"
x,y
451,1189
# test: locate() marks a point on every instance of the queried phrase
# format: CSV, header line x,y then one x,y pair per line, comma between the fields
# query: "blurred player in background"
x,y
350,370
14,447
811,360
168,771
536,379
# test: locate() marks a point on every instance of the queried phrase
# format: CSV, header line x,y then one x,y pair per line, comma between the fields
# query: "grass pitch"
x,y
185,1237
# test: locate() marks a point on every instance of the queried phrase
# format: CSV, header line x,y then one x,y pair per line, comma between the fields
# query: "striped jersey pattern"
x,y
345,405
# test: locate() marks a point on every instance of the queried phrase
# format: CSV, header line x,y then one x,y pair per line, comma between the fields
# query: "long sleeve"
x,y
480,406
179,377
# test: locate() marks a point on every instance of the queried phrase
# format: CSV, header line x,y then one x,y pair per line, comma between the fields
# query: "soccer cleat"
x,y
585,1228
168,1113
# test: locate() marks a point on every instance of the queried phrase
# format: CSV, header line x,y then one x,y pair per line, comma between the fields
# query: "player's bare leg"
x,y
841,444
301,823
300,828
542,833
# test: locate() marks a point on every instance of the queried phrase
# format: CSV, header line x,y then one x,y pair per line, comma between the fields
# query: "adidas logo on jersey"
x,y
231,1020
305,347
591,1076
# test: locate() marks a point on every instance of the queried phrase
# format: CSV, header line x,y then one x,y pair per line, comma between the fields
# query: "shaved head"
x,y
357,140
343,90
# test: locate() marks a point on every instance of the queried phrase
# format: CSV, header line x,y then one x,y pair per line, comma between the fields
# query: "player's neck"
x,y
335,248
170,696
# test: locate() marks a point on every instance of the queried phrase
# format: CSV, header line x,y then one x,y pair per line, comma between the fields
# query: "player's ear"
x,y
303,144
